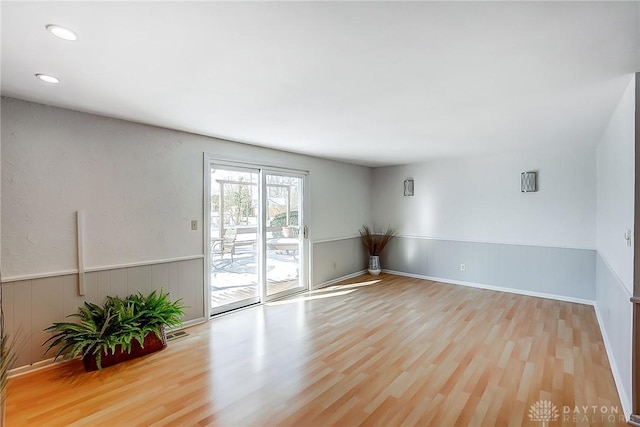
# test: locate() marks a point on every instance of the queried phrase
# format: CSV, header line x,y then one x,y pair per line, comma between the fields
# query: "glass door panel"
x,y
284,231
234,238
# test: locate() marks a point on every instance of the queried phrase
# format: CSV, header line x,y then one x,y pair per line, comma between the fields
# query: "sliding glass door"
x,y
256,235
233,243
284,233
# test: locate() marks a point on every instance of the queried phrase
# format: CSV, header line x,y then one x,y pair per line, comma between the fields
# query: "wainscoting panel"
x,y
337,258
615,314
558,271
191,295
139,278
47,305
32,305
117,282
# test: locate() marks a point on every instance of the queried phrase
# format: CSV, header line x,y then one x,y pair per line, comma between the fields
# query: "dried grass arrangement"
x,y
375,241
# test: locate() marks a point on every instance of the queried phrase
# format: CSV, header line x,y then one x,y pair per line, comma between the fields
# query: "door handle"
x,y
305,232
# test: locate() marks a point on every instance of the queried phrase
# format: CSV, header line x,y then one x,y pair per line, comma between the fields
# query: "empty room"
x,y
319,213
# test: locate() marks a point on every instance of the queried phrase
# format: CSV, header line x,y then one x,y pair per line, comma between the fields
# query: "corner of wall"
x,y
615,212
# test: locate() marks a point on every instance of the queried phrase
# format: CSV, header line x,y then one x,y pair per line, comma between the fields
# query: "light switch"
x,y
627,237
194,224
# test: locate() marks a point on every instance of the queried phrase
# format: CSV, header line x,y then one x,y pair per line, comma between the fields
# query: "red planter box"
x,y
151,344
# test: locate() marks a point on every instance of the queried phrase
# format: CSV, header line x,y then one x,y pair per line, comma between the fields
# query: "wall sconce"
x,y
528,182
408,187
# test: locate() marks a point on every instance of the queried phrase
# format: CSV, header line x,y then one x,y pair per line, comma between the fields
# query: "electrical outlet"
x,y
462,267
194,224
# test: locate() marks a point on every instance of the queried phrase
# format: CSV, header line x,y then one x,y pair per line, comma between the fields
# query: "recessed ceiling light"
x,y
63,33
47,78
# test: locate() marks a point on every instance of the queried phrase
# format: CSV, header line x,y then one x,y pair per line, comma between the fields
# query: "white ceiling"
x,y
375,83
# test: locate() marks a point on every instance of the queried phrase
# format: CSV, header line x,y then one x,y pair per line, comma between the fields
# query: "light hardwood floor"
x,y
397,351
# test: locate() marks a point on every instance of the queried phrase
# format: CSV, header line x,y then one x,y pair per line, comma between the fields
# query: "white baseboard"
x,y
496,288
188,323
624,399
339,279
38,366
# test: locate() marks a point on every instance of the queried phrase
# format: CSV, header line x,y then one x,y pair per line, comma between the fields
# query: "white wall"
x,y
479,199
615,166
615,213
139,185
585,201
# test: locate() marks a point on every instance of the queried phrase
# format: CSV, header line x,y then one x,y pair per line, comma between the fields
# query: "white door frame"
x,y
208,160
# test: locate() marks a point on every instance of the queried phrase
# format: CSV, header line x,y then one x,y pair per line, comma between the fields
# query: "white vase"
x,y
374,265
287,232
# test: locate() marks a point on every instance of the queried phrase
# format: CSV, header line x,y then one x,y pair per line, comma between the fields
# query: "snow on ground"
x,y
243,270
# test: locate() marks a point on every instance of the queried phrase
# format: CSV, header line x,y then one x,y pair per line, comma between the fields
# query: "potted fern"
x,y
121,329
374,242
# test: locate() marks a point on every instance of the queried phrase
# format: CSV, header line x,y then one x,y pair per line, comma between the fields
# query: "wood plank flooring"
x,y
389,352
